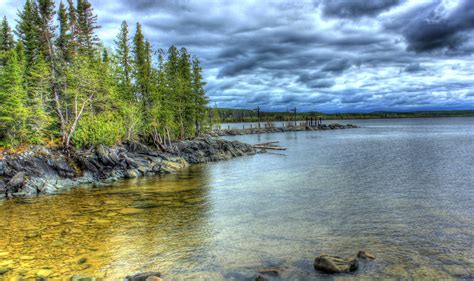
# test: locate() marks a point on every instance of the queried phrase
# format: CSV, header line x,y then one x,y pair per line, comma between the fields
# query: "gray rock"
x,y
335,264
17,181
142,276
83,278
132,173
365,255
3,187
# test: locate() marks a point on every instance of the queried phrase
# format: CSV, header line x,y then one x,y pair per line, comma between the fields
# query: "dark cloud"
x,y
328,55
435,25
414,67
356,8
337,66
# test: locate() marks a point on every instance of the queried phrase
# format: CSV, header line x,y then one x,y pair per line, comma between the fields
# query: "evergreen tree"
x,y
13,112
28,32
124,71
64,39
86,25
6,36
46,28
72,19
184,106
200,100
140,62
39,89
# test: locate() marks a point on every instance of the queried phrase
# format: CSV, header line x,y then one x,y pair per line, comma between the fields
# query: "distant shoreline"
x,y
351,118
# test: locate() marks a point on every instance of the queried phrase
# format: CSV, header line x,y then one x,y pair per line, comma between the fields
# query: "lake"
x,y
402,189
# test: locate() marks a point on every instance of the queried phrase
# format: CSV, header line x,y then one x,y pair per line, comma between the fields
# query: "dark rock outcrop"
x,y
334,264
16,182
42,170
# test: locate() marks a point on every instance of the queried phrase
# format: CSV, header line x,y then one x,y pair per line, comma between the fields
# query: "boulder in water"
x,y
143,276
334,264
365,255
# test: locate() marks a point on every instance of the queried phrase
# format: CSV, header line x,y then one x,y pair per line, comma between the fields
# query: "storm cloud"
x,y
327,55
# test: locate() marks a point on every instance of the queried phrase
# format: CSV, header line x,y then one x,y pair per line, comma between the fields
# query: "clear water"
x,y
401,189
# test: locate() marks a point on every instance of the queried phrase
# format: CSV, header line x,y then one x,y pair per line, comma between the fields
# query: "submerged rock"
x,y
4,270
143,276
145,205
83,278
335,264
365,255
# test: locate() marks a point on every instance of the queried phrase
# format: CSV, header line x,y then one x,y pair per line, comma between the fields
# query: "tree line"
x,y
58,83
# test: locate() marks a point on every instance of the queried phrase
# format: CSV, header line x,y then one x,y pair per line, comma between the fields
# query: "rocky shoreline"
x,y
42,170
269,130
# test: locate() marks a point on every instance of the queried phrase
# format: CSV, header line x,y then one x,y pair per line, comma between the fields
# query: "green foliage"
x,y
124,63
59,81
28,31
86,25
6,36
13,110
38,91
102,129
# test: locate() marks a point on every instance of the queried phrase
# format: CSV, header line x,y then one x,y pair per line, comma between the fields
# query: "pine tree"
x,y
72,20
64,39
28,32
46,28
38,92
184,105
124,71
86,25
13,112
140,61
6,36
200,100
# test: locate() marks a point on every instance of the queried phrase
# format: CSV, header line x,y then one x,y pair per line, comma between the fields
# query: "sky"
x,y
315,55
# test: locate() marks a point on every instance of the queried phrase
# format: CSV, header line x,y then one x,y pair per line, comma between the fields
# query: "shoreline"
x,y
271,130
42,170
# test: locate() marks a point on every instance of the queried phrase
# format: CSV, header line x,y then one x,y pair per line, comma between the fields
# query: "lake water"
x,y
401,189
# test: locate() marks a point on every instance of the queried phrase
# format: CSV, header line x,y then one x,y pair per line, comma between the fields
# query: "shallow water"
x,y
400,189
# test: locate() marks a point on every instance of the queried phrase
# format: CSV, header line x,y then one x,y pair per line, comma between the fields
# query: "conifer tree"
x,y
46,28
28,32
13,111
64,39
72,20
184,95
86,25
199,95
6,36
140,62
124,71
38,91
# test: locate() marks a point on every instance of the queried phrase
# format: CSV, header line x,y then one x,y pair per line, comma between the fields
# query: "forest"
x,y
59,84
230,115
